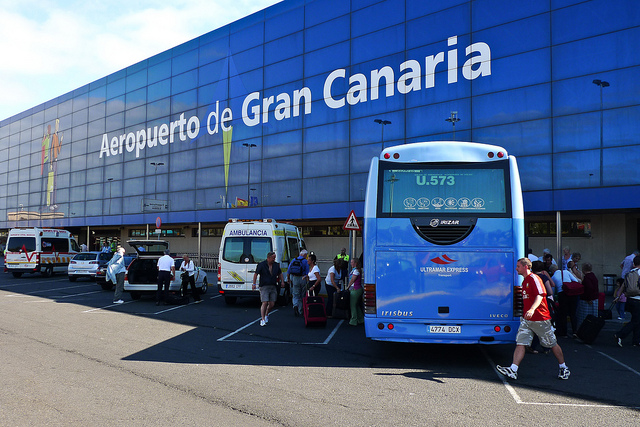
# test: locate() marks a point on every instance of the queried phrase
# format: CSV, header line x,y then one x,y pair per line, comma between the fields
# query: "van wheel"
x,y
205,286
17,275
230,300
47,271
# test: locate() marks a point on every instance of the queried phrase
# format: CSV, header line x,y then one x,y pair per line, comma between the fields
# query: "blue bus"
x,y
443,229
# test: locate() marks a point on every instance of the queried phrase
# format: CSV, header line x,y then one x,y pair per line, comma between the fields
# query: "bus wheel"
x,y
17,275
230,300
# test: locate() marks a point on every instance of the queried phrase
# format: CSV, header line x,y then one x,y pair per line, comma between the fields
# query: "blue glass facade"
x,y
277,111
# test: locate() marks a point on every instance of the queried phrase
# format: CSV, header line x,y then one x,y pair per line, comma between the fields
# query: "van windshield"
x,y
15,244
246,250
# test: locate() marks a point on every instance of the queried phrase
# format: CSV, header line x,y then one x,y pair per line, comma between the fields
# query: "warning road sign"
x,y
351,223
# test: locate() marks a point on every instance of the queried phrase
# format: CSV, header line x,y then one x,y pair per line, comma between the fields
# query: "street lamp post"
x,y
383,123
601,84
155,178
453,119
249,146
109,180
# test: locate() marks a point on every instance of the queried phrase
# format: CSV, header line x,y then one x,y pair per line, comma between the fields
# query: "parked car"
x,y
142,273
86,264
101,274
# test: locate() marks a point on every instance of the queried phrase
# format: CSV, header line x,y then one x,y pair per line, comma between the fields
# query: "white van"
x,y
39,250
244,244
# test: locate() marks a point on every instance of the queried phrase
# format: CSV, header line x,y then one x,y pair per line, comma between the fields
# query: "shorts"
x,y
268,293
542,328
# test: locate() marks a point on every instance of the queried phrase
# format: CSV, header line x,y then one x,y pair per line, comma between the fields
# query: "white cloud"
x,y
52,47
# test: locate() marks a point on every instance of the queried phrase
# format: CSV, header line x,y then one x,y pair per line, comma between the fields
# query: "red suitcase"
x,y
314,311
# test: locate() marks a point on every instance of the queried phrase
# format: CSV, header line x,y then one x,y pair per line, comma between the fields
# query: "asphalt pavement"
x,y
71,357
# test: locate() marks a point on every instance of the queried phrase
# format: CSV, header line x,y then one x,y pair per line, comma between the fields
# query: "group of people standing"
x,y
570,292
627,297
571,289
166,273
304,277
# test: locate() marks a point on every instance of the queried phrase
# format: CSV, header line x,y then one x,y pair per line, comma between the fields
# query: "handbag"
x,y
572,288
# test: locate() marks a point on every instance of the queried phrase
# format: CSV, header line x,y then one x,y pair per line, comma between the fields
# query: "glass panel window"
x,y
581,228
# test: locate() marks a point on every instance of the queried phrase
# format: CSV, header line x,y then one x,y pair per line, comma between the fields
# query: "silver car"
x,y
86,264
142,273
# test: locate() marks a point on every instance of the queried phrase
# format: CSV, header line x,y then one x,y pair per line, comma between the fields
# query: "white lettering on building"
x,y
338,91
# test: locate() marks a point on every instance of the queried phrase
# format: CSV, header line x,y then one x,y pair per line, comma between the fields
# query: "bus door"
x,y
444,284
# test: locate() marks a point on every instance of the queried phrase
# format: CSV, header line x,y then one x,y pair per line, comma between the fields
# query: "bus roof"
x,y
443,151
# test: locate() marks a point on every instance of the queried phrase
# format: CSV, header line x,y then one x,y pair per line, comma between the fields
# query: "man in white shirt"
x,y
189,277
166,273
632,290
567,305
627,264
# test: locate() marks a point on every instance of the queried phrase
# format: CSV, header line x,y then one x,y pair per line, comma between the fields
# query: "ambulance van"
x,y
244,244
39,250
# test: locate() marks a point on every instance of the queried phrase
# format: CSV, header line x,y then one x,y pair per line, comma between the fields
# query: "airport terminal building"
x,y
277,115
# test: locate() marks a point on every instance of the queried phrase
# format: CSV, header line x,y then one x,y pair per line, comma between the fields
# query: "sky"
x,y
52,47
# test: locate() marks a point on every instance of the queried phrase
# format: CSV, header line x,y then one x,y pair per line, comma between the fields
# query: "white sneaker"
x,y
263,323
266,319
507,372
119,302
564,373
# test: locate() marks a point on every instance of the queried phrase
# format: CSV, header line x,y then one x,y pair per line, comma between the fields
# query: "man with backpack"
x,y
632,291
296,273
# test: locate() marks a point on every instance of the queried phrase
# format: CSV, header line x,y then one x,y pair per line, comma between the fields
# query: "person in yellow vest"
x,y
343,256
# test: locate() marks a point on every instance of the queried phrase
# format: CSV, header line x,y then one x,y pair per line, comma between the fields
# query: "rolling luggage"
x,y
314,311
590,328
606,314
341,305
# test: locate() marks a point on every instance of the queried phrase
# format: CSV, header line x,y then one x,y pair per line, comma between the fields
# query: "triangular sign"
x,y
352,222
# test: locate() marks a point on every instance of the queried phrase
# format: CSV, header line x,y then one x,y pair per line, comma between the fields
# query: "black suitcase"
x,y
174,299
340,309
606,314
341,299
590,328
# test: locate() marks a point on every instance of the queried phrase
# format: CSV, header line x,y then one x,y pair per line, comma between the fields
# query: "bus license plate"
x,y
444,329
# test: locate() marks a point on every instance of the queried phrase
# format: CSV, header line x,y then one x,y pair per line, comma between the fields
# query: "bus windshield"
x,y
407,190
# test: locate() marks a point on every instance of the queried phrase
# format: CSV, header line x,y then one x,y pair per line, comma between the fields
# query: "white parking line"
x,y
106,306
333,332
618,362
24,282
77,295
244,327
326,341
518,400
49,290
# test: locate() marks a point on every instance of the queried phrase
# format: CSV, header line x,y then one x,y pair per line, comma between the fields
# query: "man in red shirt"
x,y
536,320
